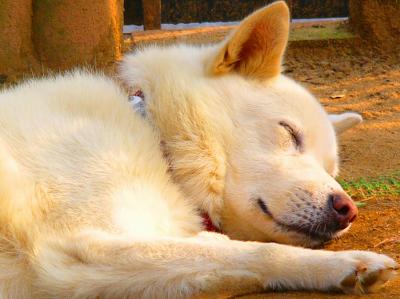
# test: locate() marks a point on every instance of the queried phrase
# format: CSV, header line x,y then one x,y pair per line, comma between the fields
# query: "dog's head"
x,y
249,145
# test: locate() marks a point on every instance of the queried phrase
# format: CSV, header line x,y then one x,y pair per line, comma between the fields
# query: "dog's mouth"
x,y
316,233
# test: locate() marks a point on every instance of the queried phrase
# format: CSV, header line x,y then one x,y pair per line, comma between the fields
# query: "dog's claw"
x,y
395,267
350,281
371,278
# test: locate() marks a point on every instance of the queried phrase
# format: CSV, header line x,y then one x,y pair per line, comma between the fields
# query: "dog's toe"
x,y
374,280
372,272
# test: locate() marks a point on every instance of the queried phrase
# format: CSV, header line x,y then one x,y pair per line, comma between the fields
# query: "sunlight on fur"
x,y
92,206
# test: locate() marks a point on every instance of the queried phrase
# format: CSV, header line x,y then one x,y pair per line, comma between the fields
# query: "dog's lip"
x,y
312,234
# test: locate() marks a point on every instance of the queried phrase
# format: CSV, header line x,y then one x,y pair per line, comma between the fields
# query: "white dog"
x,y
91,207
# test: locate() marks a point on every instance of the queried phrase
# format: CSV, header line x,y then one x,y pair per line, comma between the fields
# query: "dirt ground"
x,y
351,75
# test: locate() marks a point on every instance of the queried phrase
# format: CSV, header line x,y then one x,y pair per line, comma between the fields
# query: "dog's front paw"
x,y
368,271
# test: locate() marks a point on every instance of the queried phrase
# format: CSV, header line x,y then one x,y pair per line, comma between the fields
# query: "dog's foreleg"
x,y
108,266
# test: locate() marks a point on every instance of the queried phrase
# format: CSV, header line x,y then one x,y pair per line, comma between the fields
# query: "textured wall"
x,y
58,34
16,49
73,32
377,19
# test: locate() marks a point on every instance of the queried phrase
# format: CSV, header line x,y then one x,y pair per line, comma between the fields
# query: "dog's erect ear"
x,y
343,122
255,49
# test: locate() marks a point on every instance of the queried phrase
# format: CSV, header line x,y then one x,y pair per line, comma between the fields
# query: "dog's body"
x,y
89,209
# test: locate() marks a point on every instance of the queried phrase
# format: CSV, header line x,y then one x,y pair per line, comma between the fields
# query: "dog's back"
x,y
46,130
74,157
39,123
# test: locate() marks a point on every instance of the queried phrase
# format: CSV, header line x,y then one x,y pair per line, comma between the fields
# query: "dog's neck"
x,y
137,100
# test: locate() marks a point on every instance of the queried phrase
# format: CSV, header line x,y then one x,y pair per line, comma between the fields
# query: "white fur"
x,y
91,207
88,209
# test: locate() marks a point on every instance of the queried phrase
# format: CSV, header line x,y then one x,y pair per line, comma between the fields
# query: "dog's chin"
x,y
309,239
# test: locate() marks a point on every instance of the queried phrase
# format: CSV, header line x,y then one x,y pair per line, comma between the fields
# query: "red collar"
x,y
208,224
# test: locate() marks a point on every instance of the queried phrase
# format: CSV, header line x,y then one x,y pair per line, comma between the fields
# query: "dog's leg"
x,y
103,265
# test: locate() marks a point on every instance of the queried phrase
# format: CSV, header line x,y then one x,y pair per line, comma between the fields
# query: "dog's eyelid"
x,y
295,133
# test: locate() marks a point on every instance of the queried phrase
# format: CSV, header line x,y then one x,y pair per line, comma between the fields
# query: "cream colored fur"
x,y
88,208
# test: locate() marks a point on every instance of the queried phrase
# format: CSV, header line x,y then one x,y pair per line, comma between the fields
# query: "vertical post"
x,y
67,33
151,14
16,47
290,4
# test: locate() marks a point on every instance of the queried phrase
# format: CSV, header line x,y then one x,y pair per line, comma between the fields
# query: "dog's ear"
x,y
255,49
343,122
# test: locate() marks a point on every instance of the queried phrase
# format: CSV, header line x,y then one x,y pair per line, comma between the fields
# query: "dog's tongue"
x,y
208,224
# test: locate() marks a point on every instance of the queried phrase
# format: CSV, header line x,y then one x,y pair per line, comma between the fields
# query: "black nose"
x,y
344,209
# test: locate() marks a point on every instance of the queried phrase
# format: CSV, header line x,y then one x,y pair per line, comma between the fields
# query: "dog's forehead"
x,y
292,102
297,103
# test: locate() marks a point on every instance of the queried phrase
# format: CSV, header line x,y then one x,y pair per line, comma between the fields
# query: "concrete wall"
x,y
377,20
58,34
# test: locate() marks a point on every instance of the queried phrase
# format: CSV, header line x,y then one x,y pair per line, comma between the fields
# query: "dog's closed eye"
x,y
295,134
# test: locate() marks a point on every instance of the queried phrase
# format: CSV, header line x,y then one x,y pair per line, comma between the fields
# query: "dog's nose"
x,y
343,208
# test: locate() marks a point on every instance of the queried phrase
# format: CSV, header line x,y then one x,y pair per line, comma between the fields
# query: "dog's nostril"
x,y
344,209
